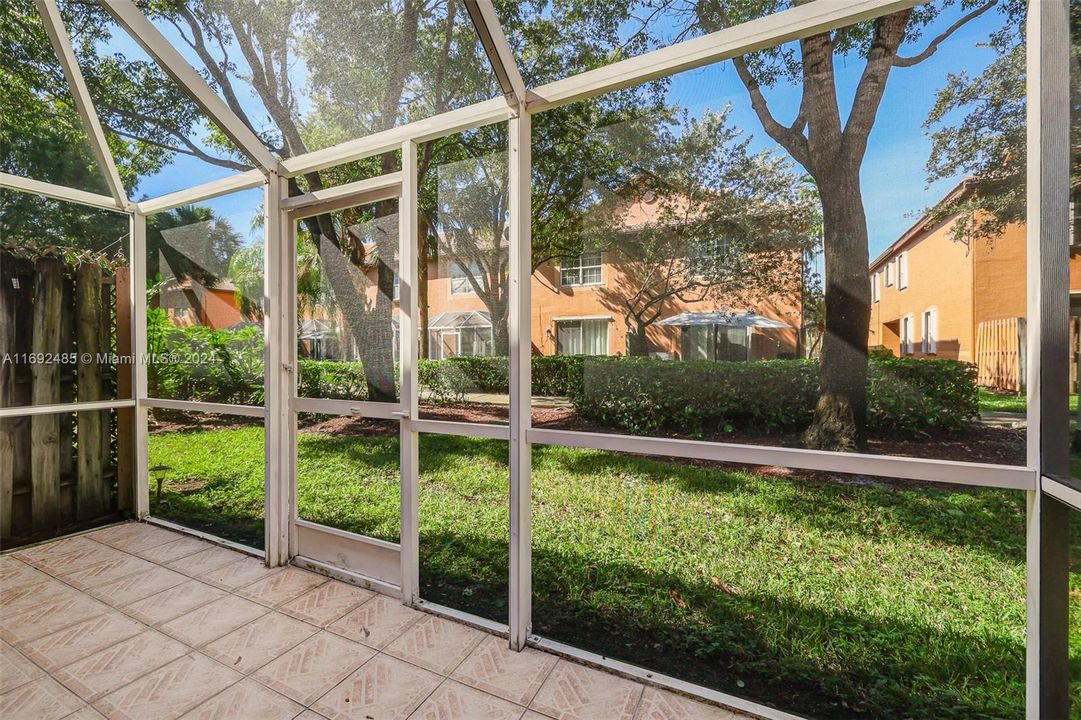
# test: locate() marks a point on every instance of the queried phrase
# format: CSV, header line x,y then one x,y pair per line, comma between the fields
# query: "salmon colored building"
x,y
934,295
579,307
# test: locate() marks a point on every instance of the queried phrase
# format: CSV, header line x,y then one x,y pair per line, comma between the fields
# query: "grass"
x,y
832,599
995,402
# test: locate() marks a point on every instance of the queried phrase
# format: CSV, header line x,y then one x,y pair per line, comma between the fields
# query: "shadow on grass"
x,y
987,518
826,664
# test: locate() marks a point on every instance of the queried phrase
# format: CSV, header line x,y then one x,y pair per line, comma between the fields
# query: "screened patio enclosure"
x,y
199,205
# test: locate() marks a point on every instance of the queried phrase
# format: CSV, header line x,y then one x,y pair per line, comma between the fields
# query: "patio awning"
x,y
460,319
721,317
314,330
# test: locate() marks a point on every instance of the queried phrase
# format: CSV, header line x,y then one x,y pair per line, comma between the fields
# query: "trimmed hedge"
x,y
907,397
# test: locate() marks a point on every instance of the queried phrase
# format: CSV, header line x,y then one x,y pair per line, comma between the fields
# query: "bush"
x,y
644,396
199,363
907,397
910,397
332,379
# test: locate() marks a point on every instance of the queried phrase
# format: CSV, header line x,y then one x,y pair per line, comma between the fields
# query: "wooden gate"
x,y
58,323
1000,354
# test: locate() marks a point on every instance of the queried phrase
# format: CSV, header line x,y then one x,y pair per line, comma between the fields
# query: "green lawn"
x,y
834,600
993,402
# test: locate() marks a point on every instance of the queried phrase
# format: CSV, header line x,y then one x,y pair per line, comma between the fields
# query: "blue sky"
x,y
893,176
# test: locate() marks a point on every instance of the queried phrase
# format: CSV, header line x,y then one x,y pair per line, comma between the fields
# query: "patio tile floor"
x,y
135,621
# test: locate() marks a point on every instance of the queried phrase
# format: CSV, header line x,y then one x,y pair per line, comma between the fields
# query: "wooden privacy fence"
x,y
1000,354
58,323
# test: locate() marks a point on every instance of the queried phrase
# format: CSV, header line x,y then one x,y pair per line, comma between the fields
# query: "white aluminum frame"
x,y
58,36
1048,151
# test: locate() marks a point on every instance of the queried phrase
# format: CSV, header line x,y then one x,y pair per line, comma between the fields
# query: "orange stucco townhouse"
x,y
578,308
934,295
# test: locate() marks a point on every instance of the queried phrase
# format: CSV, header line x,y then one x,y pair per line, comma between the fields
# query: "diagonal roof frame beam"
x,y
139,27
61,42
498,50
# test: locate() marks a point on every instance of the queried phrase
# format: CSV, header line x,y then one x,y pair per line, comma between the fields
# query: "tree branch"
x,y
932,47
789,137
889,33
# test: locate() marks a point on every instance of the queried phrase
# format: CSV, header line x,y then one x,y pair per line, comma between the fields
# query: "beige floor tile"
x,y
663,705
534,715
15,670
174,602
257,643
27,597
454,701
205,560
16,575
247,700
42,699
48,617
576,692
65,556
312,668
326,603
310,715
238,574
85,713
282,586
384,688
125,591
64,647
170,691
173,550
435,644
209,622
133,536
107,572
120,664
377,622
494,668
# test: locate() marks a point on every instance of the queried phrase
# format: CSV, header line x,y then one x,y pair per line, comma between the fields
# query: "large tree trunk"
x,y
841,412
636,339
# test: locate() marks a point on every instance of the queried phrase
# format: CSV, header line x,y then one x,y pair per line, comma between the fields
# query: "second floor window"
x,y
902,271
582,270
875,279
459,277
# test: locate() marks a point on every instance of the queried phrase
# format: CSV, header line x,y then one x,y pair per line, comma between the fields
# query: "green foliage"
x,y
199,363
332,379
907,397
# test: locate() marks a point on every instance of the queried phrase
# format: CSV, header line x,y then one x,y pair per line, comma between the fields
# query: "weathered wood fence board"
x,y
60,469
45,429
1000,354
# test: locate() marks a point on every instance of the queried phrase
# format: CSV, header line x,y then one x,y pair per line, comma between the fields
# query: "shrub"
x,y
646,395
907,397
910,397
332,379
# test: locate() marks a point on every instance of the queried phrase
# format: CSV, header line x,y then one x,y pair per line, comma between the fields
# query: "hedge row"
x,y
907,397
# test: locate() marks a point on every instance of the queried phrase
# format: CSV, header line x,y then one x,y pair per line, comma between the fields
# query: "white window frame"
x,y
461,285
902,271
908,332
1042,477
606,319
876,290
578,265
929,331
890,272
